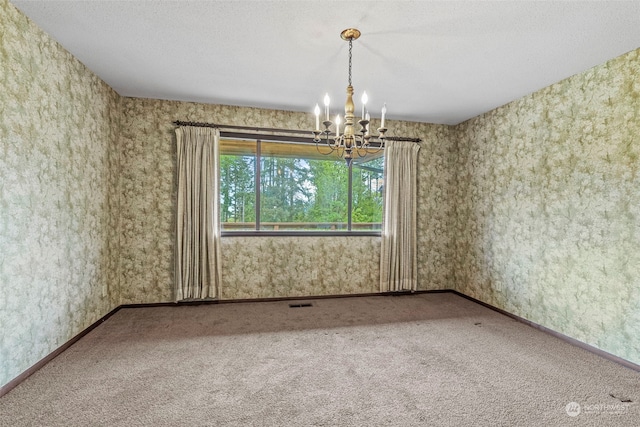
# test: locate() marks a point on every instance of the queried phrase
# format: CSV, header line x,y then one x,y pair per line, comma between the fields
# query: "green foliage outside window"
x,y
298,189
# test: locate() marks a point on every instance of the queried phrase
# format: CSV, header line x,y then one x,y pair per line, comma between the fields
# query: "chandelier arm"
x,y
331,149
359,150
377,150
331,143
365,149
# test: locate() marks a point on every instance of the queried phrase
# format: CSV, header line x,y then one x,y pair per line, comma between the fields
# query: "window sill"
x,y
289,233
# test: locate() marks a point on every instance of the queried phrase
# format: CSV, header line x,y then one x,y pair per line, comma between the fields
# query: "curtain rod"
x,y
276,130
219,126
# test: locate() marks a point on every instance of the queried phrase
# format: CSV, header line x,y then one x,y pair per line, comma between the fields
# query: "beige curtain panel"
x,y
398,259
198,269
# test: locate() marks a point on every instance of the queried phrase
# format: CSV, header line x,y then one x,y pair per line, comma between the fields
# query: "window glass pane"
x,y
368,178
237,185
329,183
301,189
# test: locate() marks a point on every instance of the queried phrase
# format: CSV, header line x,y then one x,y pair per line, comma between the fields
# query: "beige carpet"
x,y
417,360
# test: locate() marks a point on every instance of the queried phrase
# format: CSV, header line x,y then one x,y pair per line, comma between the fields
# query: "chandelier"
x,y
348,143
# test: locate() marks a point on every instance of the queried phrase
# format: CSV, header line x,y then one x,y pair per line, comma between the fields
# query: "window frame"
x,y
257,139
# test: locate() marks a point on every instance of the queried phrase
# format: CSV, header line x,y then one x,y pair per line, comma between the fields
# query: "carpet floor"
x,y
415,360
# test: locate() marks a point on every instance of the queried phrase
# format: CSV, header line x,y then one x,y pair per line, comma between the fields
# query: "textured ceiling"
x,y
439,62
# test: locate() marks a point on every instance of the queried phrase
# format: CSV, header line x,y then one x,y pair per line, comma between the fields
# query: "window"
x,y
288,187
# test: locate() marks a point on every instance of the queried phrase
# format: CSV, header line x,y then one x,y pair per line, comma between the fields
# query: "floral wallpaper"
x,y
260,267
436,214
58,159
548,205
266,267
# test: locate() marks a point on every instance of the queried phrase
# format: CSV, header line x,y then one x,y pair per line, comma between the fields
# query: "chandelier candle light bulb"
x,y
327,100
317,113
364,103
384,113
337,125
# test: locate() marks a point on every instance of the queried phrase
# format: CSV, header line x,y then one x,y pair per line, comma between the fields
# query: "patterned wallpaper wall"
x,y
436,208
548,200
260,267
58,126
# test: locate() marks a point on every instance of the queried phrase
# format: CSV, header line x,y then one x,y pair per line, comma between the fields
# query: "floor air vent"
x,y
304,304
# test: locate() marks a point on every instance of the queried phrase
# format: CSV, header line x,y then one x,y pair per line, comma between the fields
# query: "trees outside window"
x,y
276,186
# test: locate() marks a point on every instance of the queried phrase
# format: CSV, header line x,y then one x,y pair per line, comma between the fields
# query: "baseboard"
x,y
48,358
566,338
273,299
20,378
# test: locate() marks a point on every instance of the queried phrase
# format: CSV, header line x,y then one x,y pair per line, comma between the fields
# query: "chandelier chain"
x,y
350,48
